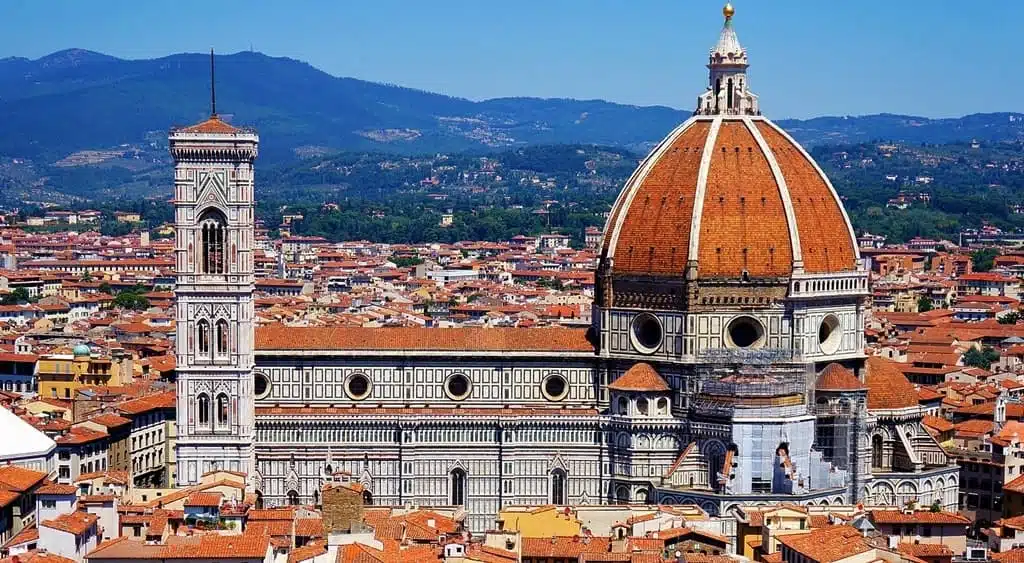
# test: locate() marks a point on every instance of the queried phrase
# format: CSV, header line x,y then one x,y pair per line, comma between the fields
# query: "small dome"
x,y
887,387
837,378
81,350
640,377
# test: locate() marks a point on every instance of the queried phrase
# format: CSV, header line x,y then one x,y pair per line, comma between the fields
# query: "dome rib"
x,y
728,197
817,207
652,228
787,201
743,224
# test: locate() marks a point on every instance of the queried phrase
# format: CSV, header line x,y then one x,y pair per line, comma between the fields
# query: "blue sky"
x,y
923,57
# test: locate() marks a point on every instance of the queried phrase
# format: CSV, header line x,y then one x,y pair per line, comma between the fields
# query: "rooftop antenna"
x,y
213,89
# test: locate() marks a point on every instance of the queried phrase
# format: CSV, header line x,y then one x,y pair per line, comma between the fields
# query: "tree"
x,y
983,259
1009,318
924,304
130,300
983,358
406,261
105,288
19,295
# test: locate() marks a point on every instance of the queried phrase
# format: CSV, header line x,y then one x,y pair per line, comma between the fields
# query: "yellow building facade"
x,y
60,376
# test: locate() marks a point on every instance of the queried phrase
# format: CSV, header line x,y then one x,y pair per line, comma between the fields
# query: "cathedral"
x,y
725,364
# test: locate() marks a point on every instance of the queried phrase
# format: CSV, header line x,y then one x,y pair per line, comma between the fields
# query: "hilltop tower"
x,y
213,201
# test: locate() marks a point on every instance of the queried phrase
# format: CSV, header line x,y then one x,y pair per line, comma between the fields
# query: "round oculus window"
x,y
555,387
260,385
647,333
745,332
457,386
830,337
357,386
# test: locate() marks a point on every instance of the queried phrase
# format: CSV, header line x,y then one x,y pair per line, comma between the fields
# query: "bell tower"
x,y
213,203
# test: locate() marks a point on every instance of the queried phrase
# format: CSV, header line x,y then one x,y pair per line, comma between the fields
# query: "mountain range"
x,y
77,100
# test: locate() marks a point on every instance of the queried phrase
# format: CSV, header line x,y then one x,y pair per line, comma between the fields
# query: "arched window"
x,y
222,409
213,231
558,481
641,406
623,406
876,452
458,487
293,497
316,498
367,498
203,329
663,406
222,337
204,409
622,495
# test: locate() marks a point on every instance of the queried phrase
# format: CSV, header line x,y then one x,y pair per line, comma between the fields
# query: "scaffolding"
x,y
840,427
730,379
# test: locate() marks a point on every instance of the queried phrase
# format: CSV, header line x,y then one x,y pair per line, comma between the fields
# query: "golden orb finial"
x,y
728,10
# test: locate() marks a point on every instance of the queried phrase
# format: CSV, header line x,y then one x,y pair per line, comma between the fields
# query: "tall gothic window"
x,y
876,452
213,230
204,409
729,94
558,496
222,409
203,328
222,337
458,487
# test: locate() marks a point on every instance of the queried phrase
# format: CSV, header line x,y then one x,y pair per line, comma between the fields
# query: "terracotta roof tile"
x,y
19,479
26,535
280,337
204,499
57,489
743,221
212,125
837,378
1012,556
655,232
563,546
917,517
76,523
887,387
827,544
825,241
640,377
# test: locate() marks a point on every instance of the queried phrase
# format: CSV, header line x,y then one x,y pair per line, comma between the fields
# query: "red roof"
x,y
76,523
280,337
19,479
888,388
917,517
837,378
744,226
640,377
212,125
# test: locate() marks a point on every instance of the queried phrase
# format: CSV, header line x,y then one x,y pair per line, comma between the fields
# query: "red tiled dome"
x,y
731,195
837,378
887,387
640,377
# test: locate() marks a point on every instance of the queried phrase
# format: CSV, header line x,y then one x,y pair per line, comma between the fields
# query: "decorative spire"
x,y
727,92
213,88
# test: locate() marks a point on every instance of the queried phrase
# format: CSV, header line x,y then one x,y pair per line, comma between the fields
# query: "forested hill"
x,y
77,100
